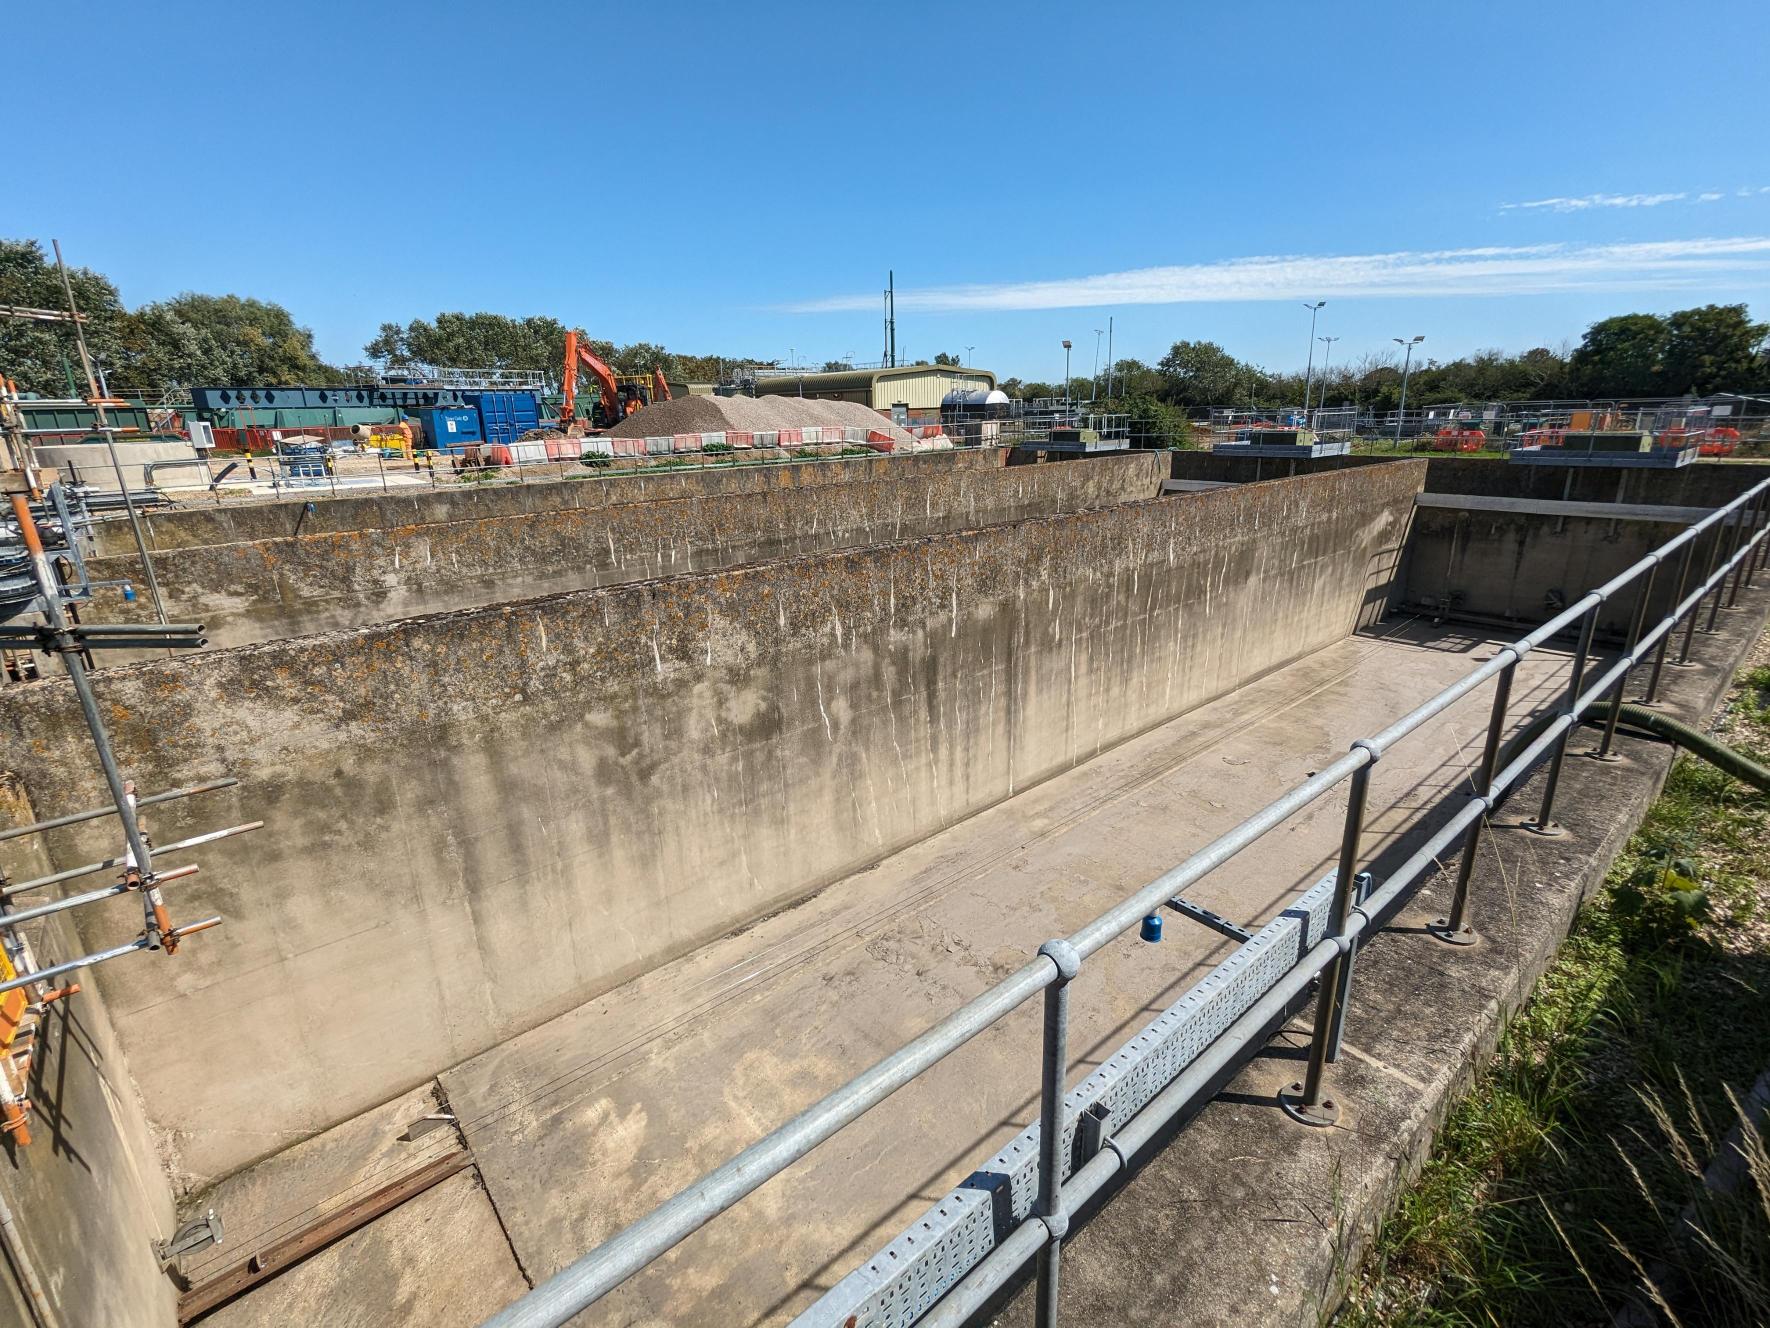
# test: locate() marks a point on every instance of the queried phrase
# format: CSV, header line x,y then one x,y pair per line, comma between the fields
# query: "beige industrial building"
x,y
917,388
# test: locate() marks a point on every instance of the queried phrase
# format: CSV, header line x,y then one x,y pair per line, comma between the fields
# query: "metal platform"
x,y
1288,451
1657,459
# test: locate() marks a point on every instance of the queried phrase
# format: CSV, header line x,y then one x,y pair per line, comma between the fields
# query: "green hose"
x,y
1695,741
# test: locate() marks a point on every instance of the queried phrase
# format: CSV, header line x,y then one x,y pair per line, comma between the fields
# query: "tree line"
x,y
1714,348
231,340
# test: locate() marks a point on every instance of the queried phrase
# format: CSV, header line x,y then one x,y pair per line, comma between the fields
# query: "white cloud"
x,y
1585,202
1516,270
1707,198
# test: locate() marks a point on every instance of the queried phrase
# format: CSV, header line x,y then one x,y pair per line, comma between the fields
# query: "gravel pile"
x,y
751,415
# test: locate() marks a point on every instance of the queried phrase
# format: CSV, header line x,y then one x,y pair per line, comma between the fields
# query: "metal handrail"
x,y
605,1267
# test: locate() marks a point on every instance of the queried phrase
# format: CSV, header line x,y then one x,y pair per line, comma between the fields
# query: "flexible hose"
x,y
1698,743
1695,741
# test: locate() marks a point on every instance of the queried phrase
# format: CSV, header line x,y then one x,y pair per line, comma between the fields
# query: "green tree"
x,y
41,356
220,341
1201,373
1620,357
946,358
836,366
1711,349
473,341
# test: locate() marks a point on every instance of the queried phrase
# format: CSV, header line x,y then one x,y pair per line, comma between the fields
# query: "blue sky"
x,y
1491,174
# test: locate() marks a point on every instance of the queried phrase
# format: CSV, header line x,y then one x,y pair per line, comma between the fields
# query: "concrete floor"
x,y
585,1123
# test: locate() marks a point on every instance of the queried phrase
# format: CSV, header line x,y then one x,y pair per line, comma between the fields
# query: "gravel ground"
x,y
751,414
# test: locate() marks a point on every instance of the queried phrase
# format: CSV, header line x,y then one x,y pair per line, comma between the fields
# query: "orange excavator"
x,y
617,398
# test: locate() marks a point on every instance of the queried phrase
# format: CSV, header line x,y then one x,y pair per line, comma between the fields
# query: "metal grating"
x,y
903,1281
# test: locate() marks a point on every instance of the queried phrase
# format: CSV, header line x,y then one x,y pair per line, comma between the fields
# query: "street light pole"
x,y
1329,343
1309,374
1098,333
1066,373
1406,365
968,351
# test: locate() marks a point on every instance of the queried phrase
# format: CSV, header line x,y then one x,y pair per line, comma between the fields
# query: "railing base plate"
x,y
1322,1114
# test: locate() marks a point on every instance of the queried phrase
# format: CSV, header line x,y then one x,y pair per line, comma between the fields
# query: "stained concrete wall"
x,y
1524,568
260,590
87,1195
233,522
482,819
1701,484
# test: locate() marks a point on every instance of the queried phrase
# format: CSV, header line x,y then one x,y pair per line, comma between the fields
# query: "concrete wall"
x,y
87,1194
1524,568
1702,484
485,818
233,522
259,590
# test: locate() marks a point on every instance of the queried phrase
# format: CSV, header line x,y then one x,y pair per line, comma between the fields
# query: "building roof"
x,y
852,380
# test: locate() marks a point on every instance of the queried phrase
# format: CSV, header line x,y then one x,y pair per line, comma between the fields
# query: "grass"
x,y
1569,1182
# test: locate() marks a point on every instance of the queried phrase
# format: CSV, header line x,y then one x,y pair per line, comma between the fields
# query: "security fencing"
x,y
1016,1209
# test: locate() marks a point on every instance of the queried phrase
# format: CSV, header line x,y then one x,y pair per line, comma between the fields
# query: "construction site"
x,y
921,844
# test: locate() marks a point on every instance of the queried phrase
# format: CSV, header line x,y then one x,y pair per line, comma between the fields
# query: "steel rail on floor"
x,y
1738,548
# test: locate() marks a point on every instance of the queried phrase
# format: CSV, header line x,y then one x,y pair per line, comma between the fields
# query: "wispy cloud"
x,y
1518,270
1585,202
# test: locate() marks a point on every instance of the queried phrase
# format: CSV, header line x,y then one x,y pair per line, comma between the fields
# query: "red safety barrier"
x,y
740,439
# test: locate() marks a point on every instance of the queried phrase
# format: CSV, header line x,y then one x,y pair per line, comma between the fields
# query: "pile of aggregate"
x,y
766,414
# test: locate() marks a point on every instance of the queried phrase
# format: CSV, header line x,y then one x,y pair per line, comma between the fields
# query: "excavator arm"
x,y
578,352
660,390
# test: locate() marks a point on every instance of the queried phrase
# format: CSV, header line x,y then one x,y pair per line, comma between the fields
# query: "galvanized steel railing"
x,y
1737,550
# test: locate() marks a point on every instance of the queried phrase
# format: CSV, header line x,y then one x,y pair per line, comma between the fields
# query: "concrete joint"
x,y
1065,956
1056,1223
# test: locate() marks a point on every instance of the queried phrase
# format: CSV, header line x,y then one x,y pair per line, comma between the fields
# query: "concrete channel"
x,y
609,841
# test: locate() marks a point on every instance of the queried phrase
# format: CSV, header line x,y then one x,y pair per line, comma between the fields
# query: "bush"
x,y
596,459
717,448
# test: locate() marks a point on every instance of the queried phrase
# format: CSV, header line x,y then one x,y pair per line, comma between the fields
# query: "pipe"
x,y
1698,743
30,1285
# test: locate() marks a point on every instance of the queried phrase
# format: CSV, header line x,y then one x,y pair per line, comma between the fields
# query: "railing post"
x,y
1720,592
1637,621
1454,928
1304,1101
1696,609
1665,640
1054,1071
1545,820
1748,528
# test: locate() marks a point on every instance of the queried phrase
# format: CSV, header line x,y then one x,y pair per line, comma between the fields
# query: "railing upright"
x,y
1545,819
1454,928
1637,622
1305,1101
1665,638
1055,1070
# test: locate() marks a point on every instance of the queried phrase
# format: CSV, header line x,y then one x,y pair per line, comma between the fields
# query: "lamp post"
x,y
968,351
1329,343
1406,365
1309,374
1098,333
1066,373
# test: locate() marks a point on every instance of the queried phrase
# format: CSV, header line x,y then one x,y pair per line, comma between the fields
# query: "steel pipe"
x,y
74,818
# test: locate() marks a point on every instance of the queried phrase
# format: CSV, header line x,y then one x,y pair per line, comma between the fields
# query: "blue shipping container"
x,y
504,416
447,428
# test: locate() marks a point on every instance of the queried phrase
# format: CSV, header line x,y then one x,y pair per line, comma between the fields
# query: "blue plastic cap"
x,y
1151,930
129,594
